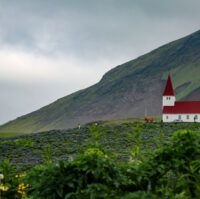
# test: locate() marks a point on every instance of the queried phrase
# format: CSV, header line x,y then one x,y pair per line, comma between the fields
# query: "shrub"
x,y
14,183
24,142
90,175
175,167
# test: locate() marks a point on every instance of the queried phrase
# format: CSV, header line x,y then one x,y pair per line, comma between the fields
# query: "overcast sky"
x,y
51,48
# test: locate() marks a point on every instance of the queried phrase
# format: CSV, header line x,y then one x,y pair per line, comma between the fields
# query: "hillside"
x,y
125,91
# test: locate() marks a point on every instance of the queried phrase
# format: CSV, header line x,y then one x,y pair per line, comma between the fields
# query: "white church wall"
x,y
182,117
169,100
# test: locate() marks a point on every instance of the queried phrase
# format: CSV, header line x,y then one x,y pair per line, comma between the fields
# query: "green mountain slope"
x,y
131,89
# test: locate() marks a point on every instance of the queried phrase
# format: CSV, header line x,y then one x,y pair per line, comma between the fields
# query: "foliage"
x,y
14,183
19,142
90,175
24,142
174,161
170,171
48,153
7,142
135,150
111,137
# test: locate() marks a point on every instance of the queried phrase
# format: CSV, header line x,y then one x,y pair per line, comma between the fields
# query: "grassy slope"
x,y
181,58
5,135
131,120
109,122
189,69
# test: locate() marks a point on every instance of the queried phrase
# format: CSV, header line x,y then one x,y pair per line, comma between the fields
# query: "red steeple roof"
x,y
169,91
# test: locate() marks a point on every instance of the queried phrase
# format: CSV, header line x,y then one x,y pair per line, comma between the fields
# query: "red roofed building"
x,y
185,111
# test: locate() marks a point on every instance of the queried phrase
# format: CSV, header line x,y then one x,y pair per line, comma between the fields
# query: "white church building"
x,y
178,111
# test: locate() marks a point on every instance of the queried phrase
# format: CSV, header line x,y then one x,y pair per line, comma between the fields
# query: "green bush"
x,y
90,175
175,167
95,175
14,183
24,142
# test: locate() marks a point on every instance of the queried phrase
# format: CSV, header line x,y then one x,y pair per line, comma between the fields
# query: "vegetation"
x,y
159,164
28,150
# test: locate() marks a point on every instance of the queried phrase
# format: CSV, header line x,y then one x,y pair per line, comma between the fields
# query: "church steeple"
x,y
168,95
169,91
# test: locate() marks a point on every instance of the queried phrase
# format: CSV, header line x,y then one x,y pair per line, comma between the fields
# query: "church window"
x,y
195,118
179,117
167,117
188,117
169,98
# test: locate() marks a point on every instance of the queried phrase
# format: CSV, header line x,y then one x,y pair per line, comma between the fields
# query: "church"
x,y
178,111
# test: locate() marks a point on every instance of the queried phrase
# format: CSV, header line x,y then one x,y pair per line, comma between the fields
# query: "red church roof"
x,y
169,91
183,107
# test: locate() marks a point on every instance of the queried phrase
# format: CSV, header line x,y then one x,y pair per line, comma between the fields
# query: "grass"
x,y
114,121
3,135
179,77
132,119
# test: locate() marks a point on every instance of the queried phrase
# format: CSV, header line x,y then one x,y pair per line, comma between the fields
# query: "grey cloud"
x,y
169,9
85,26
